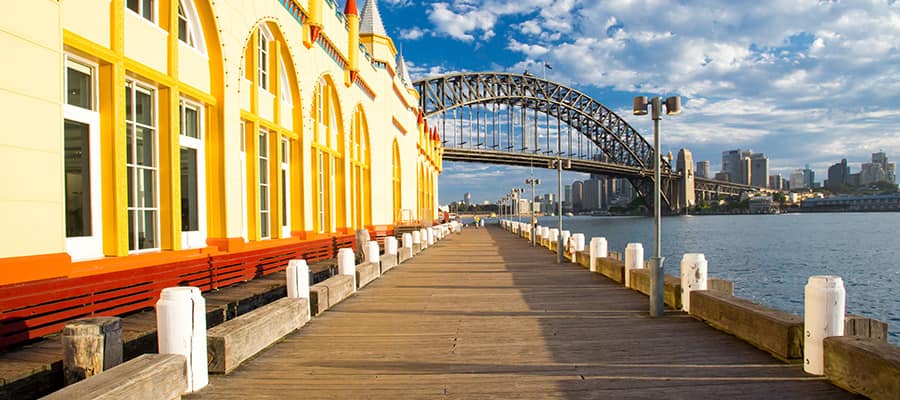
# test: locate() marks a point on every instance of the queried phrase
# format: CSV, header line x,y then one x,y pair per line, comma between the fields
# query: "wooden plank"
x,y
484,315
234,341
151,376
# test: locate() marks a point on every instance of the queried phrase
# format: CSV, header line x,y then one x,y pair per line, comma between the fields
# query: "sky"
x,y
802,81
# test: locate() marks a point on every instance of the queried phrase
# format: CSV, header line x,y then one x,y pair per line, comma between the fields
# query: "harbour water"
x,y
770,257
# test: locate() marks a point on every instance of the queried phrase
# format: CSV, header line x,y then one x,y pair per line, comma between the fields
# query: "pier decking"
x,y
484,315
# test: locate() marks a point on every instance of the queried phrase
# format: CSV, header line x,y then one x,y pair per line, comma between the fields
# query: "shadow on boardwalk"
x,y
484,315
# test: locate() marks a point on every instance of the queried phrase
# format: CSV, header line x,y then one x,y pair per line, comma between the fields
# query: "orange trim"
x,y
33,268
227,244
398,125
115,264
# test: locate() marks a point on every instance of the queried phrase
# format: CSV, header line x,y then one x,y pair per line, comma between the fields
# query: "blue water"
x,y
770,257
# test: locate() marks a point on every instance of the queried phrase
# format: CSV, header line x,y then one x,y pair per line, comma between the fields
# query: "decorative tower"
x,y
353,42
373,35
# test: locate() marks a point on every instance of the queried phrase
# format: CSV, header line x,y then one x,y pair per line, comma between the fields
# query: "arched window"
x,y
190,31
359,171
327,147
396,183
270,137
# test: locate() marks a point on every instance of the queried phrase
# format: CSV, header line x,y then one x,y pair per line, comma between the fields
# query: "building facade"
x,y
154,130
703,169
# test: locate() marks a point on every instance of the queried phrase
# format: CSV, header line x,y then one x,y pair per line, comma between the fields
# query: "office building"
x,y
838,175
759,170
702,170
797,180
775,182
467,198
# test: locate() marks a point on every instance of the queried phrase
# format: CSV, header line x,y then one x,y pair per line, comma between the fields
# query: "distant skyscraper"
x,y
737,164
838,174
879,170
577,195
702,169
759,170
594,193
467,198
796,180
567,193
775,182
809,177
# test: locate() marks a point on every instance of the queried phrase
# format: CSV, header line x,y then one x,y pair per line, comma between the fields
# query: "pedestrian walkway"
x,y
484,315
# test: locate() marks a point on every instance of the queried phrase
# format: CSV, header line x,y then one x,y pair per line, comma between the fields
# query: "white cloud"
x,y
413,33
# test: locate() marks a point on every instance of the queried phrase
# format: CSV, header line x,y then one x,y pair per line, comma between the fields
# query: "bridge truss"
x,y
523,120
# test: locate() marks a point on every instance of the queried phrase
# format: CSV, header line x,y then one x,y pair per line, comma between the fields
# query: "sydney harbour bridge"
x,y
523,120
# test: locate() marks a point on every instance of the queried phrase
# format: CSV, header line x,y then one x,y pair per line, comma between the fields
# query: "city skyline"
x,y
799,81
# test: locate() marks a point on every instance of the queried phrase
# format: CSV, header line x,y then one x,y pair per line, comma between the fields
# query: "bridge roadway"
x,y
484,315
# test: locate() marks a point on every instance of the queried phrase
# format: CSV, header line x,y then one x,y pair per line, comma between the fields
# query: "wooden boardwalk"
x,y
484,315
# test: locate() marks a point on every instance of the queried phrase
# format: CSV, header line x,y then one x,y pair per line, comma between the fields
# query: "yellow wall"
x,y
31,155
32,88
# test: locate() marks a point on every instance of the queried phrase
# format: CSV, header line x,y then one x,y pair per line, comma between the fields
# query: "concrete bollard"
x,y
598,250
373,253
347,264
390,245
693,277
577,242
429,234
634,259
407,240
297,279
91,346
423,238
181,329
823,316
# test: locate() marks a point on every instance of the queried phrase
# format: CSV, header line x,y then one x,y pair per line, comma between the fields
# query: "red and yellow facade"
x,y
146,133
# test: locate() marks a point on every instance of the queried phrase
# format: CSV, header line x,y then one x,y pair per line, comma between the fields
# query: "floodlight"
x,y
640,105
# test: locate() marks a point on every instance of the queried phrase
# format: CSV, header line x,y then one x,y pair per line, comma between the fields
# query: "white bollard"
x,y
565,235
298,279
423,238
823,316
634,259
407,240
347,264
390,245
598,250
181,329
482,223
577,242
693,277
373,254
554,235
430,236
416,237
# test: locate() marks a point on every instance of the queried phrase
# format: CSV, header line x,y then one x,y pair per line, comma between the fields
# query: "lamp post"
x,y
673,107
558,164
531,181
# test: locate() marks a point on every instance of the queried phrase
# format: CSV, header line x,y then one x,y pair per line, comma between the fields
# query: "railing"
x,y
34,309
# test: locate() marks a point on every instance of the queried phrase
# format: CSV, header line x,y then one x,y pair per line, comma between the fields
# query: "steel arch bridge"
x,y
520,119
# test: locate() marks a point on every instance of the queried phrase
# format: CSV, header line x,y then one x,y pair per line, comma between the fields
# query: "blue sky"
x,y
803,81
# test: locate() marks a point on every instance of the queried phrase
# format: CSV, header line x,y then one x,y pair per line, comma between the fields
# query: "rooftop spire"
x,y
402,69
370,19
350,8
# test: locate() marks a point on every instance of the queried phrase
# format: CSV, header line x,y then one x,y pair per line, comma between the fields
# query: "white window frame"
x,y
285,187
284,85
196,239
152,90
244,216
263,74
88,247
265,212
140,11
321,188
195,29
332,201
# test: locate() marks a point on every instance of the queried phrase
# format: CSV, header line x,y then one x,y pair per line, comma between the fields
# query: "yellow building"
x,y
145,133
